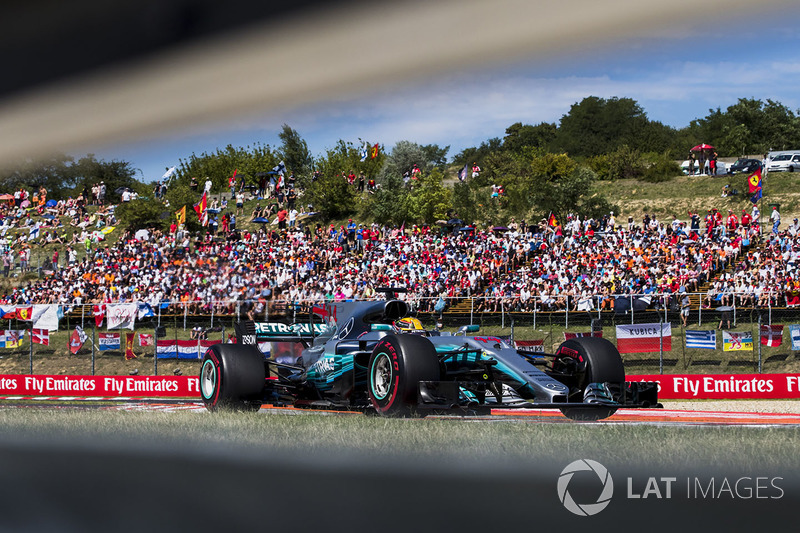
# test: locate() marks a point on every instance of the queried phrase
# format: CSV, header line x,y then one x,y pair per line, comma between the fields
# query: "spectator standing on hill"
x,y
691,163
207,186
775,218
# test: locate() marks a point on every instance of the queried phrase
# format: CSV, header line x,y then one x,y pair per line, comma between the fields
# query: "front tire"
x,y
232,377
397,364
597,361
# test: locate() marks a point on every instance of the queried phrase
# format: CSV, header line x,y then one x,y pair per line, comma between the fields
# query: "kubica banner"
x,y
101,386
724,386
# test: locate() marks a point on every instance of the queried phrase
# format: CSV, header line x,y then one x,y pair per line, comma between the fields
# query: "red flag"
x,y
40,336
76,340
129,338
99,312
552,220
375,150
772,335
145,339
644,338
754,181
24,313
200,209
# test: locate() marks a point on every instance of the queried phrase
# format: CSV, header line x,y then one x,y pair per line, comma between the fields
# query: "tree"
x,y
331,195
429,200
295,154
597,126
248,162
519,136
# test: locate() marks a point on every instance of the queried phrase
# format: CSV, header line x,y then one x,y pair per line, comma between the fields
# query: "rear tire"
x,y
397,364
601,362
232,377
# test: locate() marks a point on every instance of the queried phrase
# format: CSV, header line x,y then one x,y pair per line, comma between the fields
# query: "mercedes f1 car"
x,y
357,358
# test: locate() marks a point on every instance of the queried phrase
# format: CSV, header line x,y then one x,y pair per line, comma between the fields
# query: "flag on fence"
x,y
108,341
644,338
24,313
129,339
121,316
180,349
533,346
40,336
574,334
794,333
733,341
145,339
772,335
8,311
144,310
76,340
45,316
11,338
705,339
99,312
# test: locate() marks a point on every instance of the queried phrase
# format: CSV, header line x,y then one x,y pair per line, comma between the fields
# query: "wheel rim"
x,y
381,376
208,379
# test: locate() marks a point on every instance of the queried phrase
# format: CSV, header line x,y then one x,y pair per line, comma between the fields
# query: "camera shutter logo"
x,y
585,509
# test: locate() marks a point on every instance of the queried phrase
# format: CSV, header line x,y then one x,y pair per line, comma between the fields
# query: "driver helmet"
x,y
409,325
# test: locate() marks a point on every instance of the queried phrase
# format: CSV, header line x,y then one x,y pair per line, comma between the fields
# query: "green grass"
x,y
443,441
698,194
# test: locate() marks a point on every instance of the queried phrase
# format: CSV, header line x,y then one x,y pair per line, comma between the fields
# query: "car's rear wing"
x,y
251,332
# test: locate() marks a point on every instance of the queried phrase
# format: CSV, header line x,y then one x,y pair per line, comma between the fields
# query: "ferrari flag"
x,y
644,338
754,181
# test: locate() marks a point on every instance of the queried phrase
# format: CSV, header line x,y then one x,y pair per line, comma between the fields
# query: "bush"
x,y
663,168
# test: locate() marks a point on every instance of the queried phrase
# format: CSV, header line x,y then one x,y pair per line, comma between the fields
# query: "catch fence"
x,y
179,324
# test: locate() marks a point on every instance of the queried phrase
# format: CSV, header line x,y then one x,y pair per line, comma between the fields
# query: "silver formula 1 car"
x,y
356,358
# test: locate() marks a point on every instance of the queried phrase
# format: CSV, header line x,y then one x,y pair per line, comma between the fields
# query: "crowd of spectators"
x,y
580,265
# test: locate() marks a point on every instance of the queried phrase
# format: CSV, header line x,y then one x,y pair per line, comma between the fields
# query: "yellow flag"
x,y
181,215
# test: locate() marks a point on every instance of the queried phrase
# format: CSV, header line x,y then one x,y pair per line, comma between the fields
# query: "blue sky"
x,y
675,78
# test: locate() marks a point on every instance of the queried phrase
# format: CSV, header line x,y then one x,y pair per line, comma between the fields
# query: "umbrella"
x,y
702,147
25,203
261,220
455,222
48,217
51,203
7,197
440,222
499,228
120,190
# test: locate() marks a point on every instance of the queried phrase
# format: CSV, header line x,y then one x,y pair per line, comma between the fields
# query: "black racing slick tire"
x,y
397,364
598,361
232,377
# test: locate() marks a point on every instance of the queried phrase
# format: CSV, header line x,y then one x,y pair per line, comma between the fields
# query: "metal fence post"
x,y
700,312
566,315
471,309
631,297
759,343
661,350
